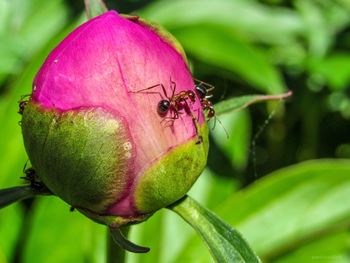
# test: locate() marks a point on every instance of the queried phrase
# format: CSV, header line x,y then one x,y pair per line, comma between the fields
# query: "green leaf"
x,y
57,235
294,204
23,34
270,24
332,248
236,145
11,219
224,242
238,103
323,21
224,49
292,207
11,144
334,69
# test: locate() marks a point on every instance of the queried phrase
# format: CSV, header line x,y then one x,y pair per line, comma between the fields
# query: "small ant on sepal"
x,y
31,177
22,103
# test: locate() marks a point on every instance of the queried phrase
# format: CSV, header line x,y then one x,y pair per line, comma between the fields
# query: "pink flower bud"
x,y
96,140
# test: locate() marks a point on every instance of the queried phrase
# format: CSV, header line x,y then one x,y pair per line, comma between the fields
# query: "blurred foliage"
x,y
296,214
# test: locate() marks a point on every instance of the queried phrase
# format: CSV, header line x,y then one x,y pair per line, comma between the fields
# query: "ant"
x,y
30,176
22,103
203,91
175,103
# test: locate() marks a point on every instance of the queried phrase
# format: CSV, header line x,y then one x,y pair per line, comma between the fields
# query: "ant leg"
x,y
227,135
172,84
154,86
151,87
215,118
146,90
198,112
164,91
169,121
173,118
209,86
25,166
196,126
195,122
23,97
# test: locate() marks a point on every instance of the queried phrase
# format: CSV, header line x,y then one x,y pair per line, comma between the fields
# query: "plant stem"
x,y
115,254
94,8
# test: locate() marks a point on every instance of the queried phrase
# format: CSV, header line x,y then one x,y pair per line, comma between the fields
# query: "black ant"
x,y
175,103
22,103
30,176
203,91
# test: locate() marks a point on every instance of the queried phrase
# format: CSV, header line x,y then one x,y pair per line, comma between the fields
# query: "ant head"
x,y
201,91
163,107
210,113
30,174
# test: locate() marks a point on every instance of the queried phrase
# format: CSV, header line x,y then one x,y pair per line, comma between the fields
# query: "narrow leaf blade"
x,y
224,242
14,194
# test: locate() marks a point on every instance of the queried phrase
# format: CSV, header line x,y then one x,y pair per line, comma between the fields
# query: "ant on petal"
x,y
174,103
203,91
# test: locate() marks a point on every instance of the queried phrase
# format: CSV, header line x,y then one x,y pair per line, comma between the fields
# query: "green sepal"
x,y
66,147
172,176
124,243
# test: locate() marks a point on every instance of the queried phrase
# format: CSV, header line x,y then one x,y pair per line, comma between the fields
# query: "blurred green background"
x,y
270,179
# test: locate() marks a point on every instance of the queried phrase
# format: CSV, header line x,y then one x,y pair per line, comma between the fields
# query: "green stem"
x,y
224,242
115,254
94,8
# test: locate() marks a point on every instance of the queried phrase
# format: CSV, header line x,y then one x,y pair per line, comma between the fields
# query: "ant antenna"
x,y
223,127
25,165
216,119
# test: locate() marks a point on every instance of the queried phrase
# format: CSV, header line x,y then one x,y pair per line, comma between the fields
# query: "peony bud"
x,y
96,140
